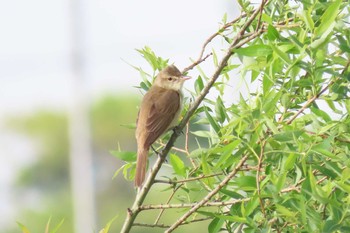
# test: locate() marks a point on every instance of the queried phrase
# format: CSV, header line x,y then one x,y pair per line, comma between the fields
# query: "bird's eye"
x,y
170,78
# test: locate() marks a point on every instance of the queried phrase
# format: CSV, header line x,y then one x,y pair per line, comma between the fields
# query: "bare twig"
x,y
190,205
223,28
168,201
188,179
260,14
167,226
196,63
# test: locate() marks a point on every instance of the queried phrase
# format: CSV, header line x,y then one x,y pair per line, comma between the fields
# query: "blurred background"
x,y
66,89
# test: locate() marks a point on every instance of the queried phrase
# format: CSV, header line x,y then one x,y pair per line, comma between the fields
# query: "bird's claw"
x,y
177,130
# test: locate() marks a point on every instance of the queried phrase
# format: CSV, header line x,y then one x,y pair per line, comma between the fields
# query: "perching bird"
x,y
160,109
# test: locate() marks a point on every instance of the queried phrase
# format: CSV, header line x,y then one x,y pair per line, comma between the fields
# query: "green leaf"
x,y
212,122
207,171
281,54
215,225
331,225
57,226
198,152
157,63
267,83
178,165
129,126
23,228
328,17
254,50
324,148
246,182
202,133
289,162
251,205
343,44
281,181
288,136
272,33
47,226
220,110
198,84
327,127
231,194
127,156
285,211
307,19
227,152
215,57
108,225
320,113
119,170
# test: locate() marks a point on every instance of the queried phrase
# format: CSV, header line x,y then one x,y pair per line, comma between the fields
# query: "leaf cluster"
x,y
294,129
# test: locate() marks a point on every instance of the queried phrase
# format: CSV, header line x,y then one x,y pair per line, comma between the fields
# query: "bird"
x,y
159,111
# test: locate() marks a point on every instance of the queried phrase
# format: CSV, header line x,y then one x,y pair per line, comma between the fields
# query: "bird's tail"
x,y
142,155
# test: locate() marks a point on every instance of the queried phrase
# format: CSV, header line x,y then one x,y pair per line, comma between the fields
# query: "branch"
x,y
167,226
310,101
206,199
223,28
188,179
168,201
143,191
189,205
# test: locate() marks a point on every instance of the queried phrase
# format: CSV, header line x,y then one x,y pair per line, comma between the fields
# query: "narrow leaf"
x,y
328,17
23,228
178,165
127,156
254,50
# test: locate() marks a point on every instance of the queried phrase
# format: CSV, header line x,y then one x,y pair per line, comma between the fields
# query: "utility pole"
x,y
81,165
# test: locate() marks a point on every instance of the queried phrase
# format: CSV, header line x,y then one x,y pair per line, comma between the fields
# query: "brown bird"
x,y
160,109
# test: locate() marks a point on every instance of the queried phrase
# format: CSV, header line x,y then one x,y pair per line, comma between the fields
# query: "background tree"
x,y
47,179
277,157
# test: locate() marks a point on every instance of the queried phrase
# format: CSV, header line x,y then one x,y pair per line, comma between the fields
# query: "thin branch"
x,y
289,189
196,63
190,205
167,226
223,28
188,179
260,14
206,199
310,101
168,201
186,145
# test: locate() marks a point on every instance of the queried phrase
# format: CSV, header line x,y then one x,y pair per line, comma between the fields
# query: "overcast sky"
x,y
36,42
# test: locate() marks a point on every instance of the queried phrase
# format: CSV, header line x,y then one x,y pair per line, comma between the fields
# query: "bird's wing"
x,y
161,113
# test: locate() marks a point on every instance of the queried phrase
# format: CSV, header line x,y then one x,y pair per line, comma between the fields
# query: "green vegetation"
x,y
277,158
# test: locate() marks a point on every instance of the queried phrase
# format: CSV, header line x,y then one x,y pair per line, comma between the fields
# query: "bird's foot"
x,y
177,130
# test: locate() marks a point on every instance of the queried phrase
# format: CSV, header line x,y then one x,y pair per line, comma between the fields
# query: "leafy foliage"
x,y
294,128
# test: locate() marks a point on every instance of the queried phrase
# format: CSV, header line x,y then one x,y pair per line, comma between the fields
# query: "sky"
x,y
37,37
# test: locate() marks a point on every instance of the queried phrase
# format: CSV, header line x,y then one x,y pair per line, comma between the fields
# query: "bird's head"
x,y
170,78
